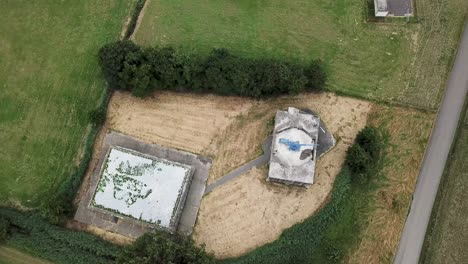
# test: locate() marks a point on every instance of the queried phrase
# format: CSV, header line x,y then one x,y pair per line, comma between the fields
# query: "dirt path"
x,y
262,160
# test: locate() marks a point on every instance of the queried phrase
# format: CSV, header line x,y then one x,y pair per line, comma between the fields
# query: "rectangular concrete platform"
x,y
134,228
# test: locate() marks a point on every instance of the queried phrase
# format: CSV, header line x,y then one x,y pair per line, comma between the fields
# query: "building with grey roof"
x,y
393,8
294,147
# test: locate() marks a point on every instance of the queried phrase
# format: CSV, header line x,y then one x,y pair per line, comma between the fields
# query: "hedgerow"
x,y
127,66
32,234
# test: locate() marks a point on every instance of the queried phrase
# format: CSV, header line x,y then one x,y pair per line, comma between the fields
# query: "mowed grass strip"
x,y
49,80
12,256
394,62
447,239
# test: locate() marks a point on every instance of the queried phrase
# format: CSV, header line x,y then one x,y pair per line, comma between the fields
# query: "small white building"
x,y
294,148
381,8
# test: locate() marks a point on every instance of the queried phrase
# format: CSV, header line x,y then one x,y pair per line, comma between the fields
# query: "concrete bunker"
x,y
294,147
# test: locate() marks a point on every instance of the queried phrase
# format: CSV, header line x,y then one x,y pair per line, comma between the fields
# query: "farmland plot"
x,y
49,81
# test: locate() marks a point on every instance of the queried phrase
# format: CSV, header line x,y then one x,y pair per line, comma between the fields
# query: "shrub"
x,y
98,116
370,140
159,247
364,156
358,159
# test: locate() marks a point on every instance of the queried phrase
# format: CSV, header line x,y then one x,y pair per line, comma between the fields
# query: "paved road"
x,y
412,238
263,159
326,142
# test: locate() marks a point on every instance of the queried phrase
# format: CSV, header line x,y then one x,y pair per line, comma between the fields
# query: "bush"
x,y
34,235
98,116
112,58
364,156
127,66
159,247
370,140
358,159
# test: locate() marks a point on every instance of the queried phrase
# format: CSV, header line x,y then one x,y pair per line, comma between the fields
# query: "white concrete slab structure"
x,y
143,187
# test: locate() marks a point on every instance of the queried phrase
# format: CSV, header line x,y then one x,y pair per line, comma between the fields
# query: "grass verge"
x,y
446,241
50,81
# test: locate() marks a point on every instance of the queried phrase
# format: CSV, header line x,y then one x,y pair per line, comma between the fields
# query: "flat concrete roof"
x,y
289,165
125,225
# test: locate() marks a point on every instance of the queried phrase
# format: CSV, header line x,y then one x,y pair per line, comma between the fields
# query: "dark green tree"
x,y
370,140
111,59
225,73
164,248
142,81
358,159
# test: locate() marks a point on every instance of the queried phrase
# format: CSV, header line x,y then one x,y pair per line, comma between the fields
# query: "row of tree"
x,y
127,66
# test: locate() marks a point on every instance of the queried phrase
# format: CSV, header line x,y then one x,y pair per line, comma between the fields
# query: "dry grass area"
x,y
230,130
409,131
241,141
249,212
182,121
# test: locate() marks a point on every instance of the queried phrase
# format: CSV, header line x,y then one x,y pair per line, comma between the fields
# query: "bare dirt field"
x,y
249,212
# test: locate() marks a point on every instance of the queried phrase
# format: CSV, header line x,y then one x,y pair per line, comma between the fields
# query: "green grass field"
x,y
447,239
49,80
12,256
394,62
